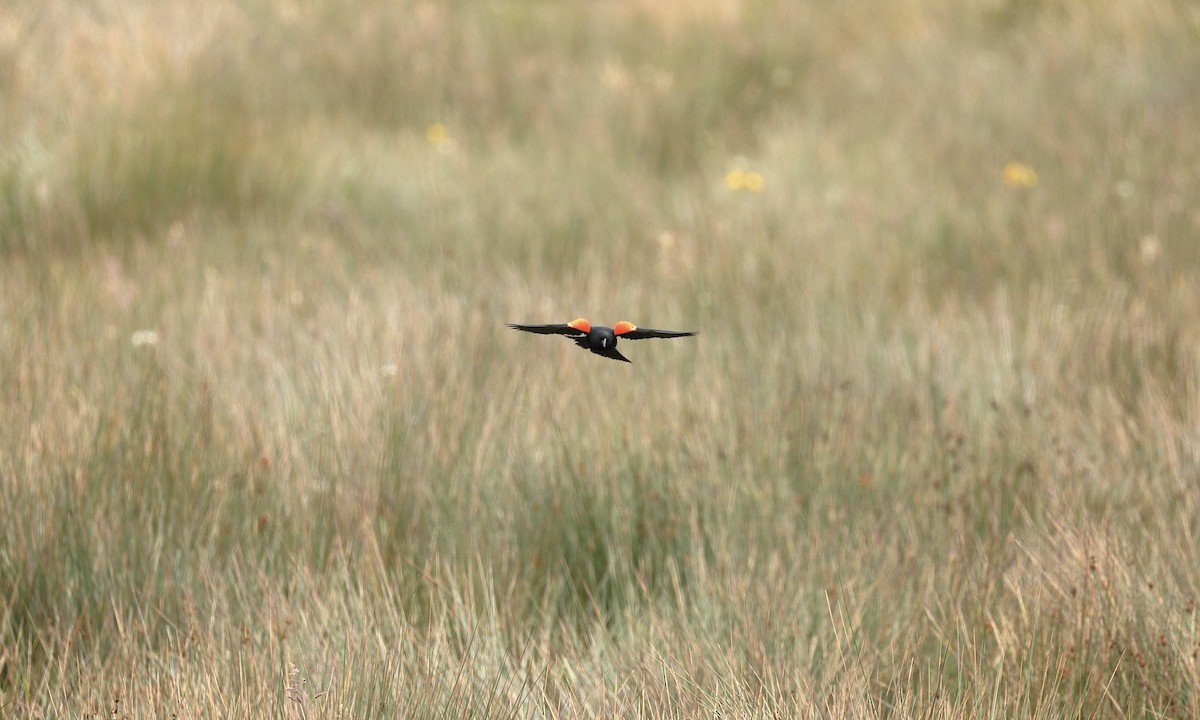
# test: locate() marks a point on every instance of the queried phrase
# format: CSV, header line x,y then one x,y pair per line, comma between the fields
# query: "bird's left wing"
x,y
628,331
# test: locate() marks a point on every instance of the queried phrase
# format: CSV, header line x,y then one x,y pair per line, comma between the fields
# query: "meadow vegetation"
x,y
267,448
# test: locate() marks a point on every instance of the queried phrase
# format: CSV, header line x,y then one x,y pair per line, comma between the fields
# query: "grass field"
x,y
268,450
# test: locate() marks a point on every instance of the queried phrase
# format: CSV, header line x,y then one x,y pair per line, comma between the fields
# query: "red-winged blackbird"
x,y
598,338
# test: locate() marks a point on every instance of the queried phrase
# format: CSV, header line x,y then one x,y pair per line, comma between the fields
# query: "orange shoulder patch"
x,y
623,327
581,325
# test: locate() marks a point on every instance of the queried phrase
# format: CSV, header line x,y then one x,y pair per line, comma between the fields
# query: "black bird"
x,y
598,338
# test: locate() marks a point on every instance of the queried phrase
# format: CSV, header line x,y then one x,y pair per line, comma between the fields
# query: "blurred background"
x,y
265,441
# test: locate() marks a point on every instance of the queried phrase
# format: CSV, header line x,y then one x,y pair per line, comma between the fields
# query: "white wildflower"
x,y
142,338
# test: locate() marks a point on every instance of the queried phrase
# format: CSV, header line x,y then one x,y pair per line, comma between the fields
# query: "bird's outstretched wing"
x,y
572,329
628,331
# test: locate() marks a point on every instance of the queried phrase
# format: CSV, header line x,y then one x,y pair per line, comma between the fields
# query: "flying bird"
x,y
598,338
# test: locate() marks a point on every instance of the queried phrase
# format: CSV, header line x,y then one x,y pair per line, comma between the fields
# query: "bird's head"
x,y
602,338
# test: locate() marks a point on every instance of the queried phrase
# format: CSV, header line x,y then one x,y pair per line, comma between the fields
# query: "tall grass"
x,y
266,446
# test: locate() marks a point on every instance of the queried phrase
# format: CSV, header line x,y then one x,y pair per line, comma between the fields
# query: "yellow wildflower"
x,y
1019,175
437,133
747,180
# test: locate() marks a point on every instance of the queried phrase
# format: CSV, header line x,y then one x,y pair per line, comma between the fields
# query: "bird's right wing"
x,y
552,329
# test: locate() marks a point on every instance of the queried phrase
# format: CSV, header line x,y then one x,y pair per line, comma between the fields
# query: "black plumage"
x,y
600,339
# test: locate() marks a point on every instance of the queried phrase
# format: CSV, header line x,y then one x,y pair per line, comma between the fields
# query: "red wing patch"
x,y
623,327
581,325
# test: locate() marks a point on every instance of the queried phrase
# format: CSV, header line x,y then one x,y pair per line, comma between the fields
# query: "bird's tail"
x,y
612,353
